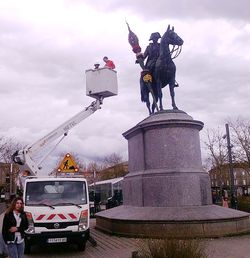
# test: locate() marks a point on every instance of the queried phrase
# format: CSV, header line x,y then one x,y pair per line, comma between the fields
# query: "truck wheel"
x,y
27,248
81,246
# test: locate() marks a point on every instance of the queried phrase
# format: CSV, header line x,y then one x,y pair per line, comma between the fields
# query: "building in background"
x,y
8,179
118,170
220,179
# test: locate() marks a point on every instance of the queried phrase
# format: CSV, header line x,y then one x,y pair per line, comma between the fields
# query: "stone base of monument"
x,y
189,221
167,192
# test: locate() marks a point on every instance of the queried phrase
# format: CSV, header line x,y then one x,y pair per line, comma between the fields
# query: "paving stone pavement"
x,y
228,247
120,247
109,246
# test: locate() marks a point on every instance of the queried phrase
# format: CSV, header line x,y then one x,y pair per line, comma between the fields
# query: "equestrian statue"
x,y
159,69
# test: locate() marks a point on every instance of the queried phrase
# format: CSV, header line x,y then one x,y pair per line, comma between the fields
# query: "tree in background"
x,y
240,133
9,172
94,169
112,160
217,148
114,166
7,147
217,156
217,145
110,166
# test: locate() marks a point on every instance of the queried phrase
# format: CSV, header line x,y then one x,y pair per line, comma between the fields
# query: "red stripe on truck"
x,y
51,216
72,216
40,217
61,216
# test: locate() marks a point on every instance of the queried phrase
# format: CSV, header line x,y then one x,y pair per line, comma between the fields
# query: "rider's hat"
x,y
155,35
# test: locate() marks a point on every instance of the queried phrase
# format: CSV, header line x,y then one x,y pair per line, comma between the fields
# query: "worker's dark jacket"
x,y
10,221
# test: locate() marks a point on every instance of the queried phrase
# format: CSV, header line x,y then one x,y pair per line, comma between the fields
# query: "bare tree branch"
x,y
7,147
112,160
217,148
241,140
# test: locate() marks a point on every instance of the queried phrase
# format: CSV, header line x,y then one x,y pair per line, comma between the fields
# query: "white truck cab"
x,y
57,210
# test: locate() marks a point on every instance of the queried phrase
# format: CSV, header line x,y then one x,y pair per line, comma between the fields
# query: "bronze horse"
x,y
164,71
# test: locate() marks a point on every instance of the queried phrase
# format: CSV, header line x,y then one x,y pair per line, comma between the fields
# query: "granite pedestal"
x,y
167,192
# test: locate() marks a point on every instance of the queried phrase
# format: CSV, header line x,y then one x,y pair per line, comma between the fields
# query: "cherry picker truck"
x,y
57,208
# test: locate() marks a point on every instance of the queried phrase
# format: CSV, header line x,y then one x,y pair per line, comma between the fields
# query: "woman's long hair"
x,y
13,204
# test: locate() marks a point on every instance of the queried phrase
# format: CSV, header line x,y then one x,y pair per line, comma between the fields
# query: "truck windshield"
x,y
55,192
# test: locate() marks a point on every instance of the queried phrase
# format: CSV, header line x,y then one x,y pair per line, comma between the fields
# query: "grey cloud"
x,y
186,9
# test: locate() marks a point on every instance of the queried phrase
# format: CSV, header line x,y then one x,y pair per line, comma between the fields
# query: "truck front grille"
x,y
56,225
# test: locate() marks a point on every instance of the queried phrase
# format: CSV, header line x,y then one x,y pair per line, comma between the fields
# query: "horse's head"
x,y
171,37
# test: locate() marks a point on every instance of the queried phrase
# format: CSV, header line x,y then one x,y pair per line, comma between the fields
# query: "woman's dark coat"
x,y
10,221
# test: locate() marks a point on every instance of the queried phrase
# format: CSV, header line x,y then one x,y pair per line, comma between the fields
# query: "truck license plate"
x,y
57,240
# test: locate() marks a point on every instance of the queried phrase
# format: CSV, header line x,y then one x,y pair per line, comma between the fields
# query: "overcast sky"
x,y
46,46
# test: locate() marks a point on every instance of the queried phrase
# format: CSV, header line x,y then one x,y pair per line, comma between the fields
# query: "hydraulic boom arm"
x,y
25,157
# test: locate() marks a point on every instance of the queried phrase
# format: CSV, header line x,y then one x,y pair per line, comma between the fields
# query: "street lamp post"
x,y
232,189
